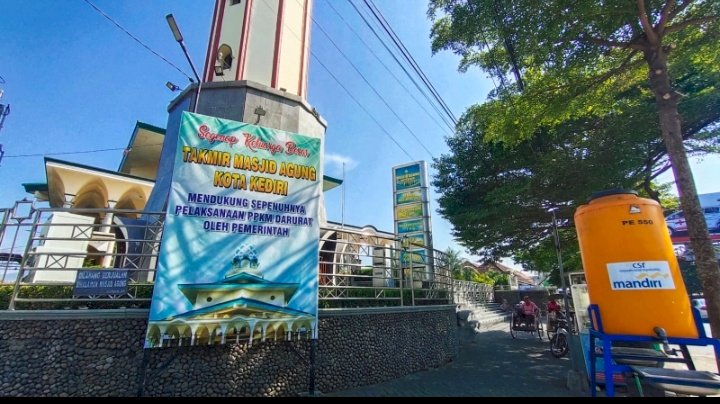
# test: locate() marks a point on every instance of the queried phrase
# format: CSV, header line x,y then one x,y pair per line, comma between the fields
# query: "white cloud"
x,y
334,164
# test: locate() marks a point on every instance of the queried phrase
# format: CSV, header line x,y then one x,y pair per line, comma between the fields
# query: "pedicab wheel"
x,y
559,345
548,328
539,328
512,323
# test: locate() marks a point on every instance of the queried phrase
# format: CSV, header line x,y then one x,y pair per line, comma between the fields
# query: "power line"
x,y
408,56
373,88
136,39
402,66
79,152
329,3
508,46
361,106
501,76
345,88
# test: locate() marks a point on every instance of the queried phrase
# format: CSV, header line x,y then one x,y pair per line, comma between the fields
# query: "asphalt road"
x,y
492,364
489,364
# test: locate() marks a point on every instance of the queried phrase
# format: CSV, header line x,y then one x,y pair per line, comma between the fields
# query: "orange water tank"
x,y
631,270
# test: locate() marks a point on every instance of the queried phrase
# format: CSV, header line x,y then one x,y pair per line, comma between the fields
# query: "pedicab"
x,y
551,317
531,326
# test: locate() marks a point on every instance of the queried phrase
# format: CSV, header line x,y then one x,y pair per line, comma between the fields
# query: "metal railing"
x,y
50,248
45,251
469,293
360,269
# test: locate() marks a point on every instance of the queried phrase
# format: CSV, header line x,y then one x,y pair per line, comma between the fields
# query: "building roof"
x,y
32,187
494,265
142,153
97,170
92,186
238,282
330,183
243,306
522,278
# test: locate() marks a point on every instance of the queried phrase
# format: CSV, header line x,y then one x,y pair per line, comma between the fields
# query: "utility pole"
x,y
179,38
342,199
4,111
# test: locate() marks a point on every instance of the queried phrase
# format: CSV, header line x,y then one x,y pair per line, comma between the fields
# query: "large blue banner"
x,y
240,247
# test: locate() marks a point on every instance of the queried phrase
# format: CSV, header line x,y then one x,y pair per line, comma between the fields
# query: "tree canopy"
x,y
496,193
591,95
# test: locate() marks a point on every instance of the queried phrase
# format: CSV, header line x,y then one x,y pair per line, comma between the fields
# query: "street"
x,y
490,363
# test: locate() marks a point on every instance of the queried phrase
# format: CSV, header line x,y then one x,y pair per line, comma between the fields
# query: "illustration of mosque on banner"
x,y
243,306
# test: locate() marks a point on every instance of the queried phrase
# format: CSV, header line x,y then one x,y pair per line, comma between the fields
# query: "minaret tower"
x,y
255,71
263,41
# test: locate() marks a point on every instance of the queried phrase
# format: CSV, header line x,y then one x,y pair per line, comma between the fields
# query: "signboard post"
x,y
240,247
411,208
100,282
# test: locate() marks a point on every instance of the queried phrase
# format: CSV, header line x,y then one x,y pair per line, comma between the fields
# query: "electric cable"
x,y
329,3
408,56
373,88
402,66
346,89
137,40
80,152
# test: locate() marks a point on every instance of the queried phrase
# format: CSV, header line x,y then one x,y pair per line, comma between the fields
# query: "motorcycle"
x,y
559,342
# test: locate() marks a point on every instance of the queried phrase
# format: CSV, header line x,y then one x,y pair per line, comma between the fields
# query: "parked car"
x,y
699,303
676,221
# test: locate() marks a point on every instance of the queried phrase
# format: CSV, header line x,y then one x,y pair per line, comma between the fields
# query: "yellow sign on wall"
x,y
413,195
408,211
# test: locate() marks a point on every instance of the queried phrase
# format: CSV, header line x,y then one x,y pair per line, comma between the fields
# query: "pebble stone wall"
x,y
47,354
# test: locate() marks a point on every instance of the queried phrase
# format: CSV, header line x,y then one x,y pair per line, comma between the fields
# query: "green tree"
x,y
572,59
498,278
483,278
543,256
452,260
669,201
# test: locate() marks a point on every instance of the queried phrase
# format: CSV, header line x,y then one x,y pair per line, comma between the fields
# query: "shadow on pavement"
x,y
489,363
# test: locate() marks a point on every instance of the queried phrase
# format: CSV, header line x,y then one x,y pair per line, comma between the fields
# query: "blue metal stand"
x,y
610,359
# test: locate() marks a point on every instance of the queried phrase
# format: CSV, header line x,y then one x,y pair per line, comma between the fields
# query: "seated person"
x,y
525,312
553,309
553,306
505,306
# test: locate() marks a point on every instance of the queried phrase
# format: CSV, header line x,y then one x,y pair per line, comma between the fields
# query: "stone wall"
x,y
99,353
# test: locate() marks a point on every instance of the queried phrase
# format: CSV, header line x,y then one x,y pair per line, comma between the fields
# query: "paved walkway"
x,y
490,363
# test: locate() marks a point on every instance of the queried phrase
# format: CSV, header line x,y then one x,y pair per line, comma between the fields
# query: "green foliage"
x,y
452,260
543,257
368,271
483,278
690,277
586,119
5,294
65,292
663,194
498,278
367,297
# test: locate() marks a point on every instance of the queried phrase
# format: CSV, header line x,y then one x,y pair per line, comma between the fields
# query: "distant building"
x,y
516,278
89,238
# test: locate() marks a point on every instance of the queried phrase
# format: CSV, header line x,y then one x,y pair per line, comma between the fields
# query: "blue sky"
x,y
77,83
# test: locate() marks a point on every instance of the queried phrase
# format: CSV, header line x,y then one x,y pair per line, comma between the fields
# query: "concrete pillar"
x,y
108,260
238,101
68,202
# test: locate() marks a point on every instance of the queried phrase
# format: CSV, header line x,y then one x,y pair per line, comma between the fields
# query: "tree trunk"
x,y
705,260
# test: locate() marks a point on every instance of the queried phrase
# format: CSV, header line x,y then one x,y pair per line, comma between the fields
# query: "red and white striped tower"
x,y
255,72
263,41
